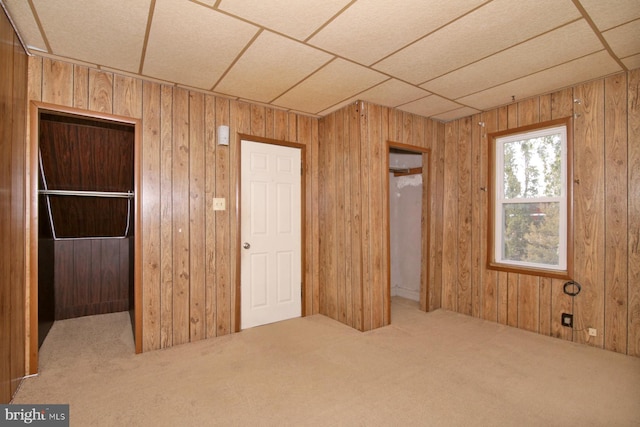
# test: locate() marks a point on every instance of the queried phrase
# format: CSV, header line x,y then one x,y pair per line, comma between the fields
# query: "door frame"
x,y
426,222
35,108
303,223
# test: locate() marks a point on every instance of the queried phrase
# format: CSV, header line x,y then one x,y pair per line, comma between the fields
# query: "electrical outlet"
x,y
567,320
593,332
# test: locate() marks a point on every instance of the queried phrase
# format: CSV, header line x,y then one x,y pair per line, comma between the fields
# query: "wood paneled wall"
x,y
353,211
189,252
606,203
13,87
92,276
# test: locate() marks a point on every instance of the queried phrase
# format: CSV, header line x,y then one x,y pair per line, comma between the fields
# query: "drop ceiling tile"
x,y
455,114
608,14
105,33
23,18
562,45
270,66
297,19
392,93
580,70
625,39
429,106
192,44
632,62
489,29
332,84
356,33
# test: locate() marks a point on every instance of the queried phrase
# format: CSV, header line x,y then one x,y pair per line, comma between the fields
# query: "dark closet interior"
x,y
86,218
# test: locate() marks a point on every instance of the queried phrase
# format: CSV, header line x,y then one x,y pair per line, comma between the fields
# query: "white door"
x,y
270,230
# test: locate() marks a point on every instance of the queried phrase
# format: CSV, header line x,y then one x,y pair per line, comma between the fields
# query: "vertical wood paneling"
x,y
180,208
616,252
57,82
127,96
605,214
365,168
437,217
80,87
210,215
223,246
241,119
18,200
14,74
313,240
633,342
489,277
339,225
355,196
197,178
189,253
450,226
464,291
151,209
378,277
476,182
166,217
561,106
589,212
100,91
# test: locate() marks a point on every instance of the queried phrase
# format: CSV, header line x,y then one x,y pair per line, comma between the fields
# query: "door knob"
x,y
246,245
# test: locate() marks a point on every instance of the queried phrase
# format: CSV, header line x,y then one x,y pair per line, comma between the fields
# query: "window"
x,y
530,218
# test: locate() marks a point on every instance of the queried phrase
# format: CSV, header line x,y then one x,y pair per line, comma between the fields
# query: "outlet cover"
x,y
567,320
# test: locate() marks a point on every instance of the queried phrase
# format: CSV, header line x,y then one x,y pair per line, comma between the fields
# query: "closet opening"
x,y
408,226
84,223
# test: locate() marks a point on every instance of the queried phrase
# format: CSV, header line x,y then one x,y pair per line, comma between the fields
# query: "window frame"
x,y
566,271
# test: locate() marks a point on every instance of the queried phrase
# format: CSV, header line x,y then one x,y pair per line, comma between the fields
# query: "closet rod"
x,y
112,194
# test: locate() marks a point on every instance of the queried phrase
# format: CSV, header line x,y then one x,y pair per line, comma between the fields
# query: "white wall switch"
x,y
219,204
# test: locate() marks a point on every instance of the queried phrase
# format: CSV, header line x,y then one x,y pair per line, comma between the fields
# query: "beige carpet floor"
x,y
426,369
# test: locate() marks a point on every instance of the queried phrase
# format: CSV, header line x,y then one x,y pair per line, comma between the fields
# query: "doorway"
x,y
271,232
84,222
408,224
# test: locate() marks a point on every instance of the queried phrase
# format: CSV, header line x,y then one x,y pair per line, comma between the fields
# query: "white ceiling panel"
x,y
455,114
297,19
562,45
437,58
429,106
25,21
192,44
392,93
608,14
625,39
632,62
582,69
496,26
94,31
356,33
332,84
267,70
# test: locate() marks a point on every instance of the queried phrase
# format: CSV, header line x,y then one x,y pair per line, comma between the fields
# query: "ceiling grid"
x,y
443,59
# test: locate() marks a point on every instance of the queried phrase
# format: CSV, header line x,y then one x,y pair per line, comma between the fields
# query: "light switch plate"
x,y
219,204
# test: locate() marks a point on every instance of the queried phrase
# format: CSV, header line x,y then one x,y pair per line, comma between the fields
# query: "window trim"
x,y
494,264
